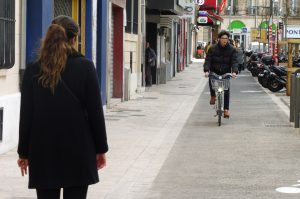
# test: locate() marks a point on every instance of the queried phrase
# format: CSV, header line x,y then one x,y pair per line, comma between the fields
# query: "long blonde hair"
x,y
55,49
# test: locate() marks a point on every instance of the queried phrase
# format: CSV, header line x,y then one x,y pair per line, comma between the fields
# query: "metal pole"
x,y
297,100
230,14
292,99
255,23
143,32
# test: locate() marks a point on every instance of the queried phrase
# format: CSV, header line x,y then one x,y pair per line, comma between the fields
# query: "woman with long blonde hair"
x,y
62,136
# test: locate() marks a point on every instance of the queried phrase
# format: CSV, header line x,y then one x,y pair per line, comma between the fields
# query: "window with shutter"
x,y
7,34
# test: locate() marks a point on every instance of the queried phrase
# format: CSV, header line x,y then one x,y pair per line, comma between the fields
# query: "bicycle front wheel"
x,y
219,109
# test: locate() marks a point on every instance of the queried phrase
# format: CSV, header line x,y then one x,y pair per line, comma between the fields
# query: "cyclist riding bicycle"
x,y
220,59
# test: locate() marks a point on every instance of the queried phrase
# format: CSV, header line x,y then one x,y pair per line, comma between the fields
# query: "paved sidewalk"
x,y
141,133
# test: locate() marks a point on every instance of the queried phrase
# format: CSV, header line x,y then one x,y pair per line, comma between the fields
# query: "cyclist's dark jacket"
x,y
221,60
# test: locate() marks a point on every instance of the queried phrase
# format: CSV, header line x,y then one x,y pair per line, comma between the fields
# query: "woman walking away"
x,y
62,136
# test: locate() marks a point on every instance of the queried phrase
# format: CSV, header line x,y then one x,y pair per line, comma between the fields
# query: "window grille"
x,y
7,34
62,7
132,16
135,17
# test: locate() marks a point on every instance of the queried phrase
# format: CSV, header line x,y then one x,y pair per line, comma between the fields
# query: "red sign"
x,y
209,5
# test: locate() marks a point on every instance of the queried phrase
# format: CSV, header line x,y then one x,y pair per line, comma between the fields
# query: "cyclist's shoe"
x,y
212,100
226,113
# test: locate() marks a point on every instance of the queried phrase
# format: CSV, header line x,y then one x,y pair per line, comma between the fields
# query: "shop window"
x,y
7,34
132,16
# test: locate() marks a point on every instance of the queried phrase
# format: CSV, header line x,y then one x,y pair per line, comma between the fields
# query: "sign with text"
x,y
189,8
199,2
183,3
202,20
202,13
293,32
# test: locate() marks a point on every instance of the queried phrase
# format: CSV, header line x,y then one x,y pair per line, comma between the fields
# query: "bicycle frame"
x,y
219,84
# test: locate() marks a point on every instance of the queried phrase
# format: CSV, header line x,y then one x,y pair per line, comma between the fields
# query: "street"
x,y
166,144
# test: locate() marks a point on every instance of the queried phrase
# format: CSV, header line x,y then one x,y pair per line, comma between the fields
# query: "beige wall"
x,y
9,93
9,78
132,45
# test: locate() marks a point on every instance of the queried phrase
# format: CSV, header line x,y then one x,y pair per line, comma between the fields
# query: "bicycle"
x,y
219,84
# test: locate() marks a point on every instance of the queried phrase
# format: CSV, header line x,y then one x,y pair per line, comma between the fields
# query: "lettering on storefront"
x,y
293,32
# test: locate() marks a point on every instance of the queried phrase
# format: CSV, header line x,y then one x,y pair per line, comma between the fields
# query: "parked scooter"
x,y
252,64
277,79
271,76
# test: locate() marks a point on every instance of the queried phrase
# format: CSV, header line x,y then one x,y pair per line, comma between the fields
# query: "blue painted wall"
x,y
102,21
39,17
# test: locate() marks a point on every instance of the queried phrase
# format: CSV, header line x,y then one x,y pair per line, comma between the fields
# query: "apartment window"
x,y
7,34
132,16
232,10
1,124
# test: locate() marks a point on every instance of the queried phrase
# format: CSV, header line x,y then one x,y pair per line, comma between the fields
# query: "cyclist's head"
x,y
222,33
223,37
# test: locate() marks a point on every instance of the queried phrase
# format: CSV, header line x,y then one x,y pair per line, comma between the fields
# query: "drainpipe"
x,y
22,61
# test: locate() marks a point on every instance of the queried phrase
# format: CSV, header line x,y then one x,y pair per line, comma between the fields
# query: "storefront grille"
x,y
62,7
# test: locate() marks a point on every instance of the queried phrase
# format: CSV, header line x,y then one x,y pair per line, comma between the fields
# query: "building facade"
x,y
11,53
246,17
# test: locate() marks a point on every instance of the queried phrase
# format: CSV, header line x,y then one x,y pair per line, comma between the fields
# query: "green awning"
x,y
265,25
237,24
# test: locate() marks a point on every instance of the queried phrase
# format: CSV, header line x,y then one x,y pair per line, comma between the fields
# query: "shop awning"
x,y
214,16
265,25
236,24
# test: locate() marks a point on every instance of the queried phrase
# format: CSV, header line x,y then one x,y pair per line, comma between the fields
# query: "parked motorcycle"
x,y
271,76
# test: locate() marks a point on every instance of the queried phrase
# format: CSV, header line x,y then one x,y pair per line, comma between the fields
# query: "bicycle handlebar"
x,y
224,76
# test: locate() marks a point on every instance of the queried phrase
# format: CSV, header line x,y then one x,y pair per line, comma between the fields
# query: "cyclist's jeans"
x,y
226,96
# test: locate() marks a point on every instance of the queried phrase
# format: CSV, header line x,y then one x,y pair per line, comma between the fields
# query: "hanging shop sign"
x,y
202,20
202,13
199,2
209,5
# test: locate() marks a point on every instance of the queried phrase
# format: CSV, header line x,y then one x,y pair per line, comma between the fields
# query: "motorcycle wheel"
x,y
265,83
260,79
275,86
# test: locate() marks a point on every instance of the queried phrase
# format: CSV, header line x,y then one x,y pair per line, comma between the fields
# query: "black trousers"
x,y
148,75
68,193
226,95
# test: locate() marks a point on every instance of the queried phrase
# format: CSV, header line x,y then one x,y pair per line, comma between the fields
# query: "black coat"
x,y
221,60
58,134
150,57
